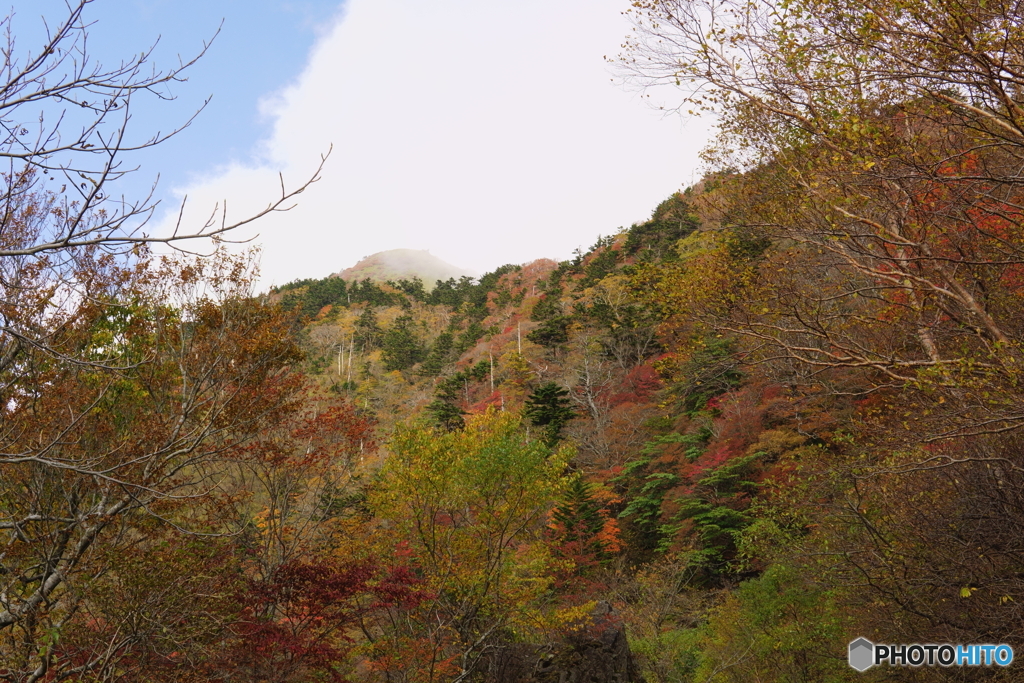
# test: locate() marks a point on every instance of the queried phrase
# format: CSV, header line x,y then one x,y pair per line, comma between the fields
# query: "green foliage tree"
x,y
368,333
316,295
546,307
553,332
599,266
580,528
644,512
440,355
715,509
400,349
413,288
579,514
671,221
469,337
444,410
549,407
450,292
781,627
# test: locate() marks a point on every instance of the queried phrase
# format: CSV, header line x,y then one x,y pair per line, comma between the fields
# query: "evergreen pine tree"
x,y
368,332
440,355
400,349
579,518
549,407
444,409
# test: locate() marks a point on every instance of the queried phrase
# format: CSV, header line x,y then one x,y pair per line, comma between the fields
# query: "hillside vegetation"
x,y
715,447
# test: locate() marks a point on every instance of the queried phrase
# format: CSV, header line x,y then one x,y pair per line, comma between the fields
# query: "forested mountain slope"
x,y
717,446
497,479
726,500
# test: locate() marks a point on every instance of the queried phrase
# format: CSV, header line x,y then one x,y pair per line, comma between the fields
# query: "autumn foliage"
x,y
717,445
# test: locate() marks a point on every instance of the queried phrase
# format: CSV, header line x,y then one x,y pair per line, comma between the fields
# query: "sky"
x,y
485,131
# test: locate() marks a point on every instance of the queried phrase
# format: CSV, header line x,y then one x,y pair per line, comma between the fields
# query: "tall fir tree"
x,y
549,407
400,349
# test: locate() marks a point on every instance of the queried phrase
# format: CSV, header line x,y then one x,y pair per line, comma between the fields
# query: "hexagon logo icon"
x,y
862,654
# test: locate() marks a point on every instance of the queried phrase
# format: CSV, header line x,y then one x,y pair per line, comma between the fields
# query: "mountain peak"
x,y
396,264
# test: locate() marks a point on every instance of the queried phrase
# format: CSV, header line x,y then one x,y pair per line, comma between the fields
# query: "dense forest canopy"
x,y
717,446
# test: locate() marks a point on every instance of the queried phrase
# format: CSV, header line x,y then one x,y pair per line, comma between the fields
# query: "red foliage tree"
x,y
299,621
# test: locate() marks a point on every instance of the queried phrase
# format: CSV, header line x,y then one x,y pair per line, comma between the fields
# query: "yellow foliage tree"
x,y
469,507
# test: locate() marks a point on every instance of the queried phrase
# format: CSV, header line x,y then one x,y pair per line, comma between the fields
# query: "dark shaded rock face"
x,y
596,654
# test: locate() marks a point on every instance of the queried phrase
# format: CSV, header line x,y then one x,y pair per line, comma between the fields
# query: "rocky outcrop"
x,y
596,653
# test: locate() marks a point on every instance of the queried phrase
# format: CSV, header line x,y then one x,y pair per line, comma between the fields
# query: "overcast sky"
x,y
487,132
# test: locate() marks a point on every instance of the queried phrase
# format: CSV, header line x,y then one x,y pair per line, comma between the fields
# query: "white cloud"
x,y
487,132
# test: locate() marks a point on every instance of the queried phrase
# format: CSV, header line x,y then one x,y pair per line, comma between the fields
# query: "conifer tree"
x,y
444,409
548,407
579,521
368,332
400,348
440,355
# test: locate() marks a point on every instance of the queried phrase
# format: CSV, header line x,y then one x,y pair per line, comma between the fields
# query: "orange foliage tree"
x,y
133,409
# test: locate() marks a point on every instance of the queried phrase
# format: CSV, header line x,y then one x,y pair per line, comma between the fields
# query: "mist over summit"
x,y
396,264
